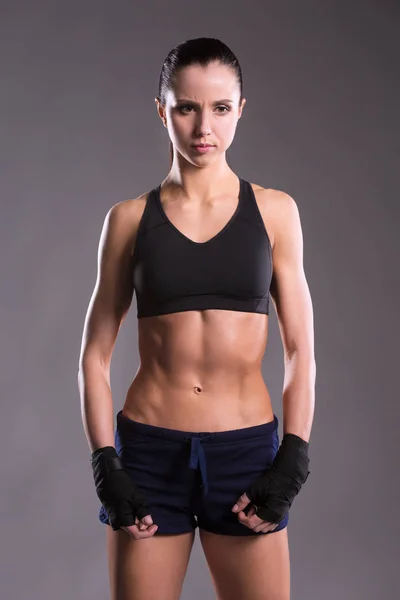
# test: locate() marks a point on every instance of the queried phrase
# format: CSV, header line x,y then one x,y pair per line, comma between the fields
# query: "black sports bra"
x,y
230,271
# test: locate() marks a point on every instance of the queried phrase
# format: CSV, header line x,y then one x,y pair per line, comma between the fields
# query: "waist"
x,y
199,404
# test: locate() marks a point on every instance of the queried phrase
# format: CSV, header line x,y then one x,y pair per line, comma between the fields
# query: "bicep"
x,y
113,291
289,288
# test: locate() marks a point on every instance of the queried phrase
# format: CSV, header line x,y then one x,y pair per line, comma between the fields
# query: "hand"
x,y
273,492
122,499
143,528
251,520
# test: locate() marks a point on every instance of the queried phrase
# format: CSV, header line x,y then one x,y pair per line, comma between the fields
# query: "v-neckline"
x,y
225,227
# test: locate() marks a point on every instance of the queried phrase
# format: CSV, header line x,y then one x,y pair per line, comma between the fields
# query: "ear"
x,y
160,110
242,106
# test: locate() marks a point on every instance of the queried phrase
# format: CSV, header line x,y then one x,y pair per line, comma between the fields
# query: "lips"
x,y
203,145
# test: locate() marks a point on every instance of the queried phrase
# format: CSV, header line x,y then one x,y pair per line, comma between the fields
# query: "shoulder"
x,y
128,208
278,209
123,218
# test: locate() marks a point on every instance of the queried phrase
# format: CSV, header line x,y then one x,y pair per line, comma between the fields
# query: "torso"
x,y
201,370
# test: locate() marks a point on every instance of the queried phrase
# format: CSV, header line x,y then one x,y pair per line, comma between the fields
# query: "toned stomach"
x,y
201,371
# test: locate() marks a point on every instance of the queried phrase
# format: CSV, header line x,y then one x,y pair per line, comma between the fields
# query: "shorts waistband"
x,y
128,425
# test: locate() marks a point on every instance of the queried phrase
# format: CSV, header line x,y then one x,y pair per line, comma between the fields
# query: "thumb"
x,y
147,520
241,503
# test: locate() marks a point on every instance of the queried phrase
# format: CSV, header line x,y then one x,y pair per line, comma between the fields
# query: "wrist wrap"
x,y
274,491
121,498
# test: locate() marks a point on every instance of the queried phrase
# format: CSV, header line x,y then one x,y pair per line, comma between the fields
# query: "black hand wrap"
x,y
120,497
274,491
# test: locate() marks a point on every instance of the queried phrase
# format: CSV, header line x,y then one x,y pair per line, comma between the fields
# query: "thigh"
x,y
149,568
249,568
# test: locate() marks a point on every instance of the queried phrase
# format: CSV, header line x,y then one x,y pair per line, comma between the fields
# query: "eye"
x,y
184,106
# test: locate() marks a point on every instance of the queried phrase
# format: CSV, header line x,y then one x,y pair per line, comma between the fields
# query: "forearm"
x,y
299,394
96,404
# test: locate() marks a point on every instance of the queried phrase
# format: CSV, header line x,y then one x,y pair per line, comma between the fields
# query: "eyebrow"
x,y
197,104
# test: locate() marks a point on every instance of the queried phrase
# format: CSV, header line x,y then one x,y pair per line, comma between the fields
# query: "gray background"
x,y
80,132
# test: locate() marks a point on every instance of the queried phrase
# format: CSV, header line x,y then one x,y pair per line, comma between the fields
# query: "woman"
x,y
197,435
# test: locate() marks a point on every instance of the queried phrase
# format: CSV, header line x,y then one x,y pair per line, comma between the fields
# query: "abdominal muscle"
x,y
201,371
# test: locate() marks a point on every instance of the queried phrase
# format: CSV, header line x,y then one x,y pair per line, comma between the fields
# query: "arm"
x,y
293,306
108,306
273,492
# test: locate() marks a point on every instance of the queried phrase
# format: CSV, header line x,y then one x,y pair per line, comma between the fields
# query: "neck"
x,y
201,183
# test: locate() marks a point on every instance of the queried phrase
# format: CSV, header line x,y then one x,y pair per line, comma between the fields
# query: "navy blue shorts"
x,y
193,479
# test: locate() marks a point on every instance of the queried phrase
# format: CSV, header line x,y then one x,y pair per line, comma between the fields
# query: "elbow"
x,y
90,361
304,355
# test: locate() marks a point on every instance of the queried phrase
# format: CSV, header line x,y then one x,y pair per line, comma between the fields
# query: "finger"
x,y
251,514
269,528
133,531
147,532
263,527
256,524
144,523
250,521
147,520
241,502
140,525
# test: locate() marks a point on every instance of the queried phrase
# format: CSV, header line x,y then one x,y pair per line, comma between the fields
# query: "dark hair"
x,y
199,51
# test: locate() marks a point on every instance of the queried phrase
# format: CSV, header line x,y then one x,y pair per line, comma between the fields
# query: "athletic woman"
x,y
196,443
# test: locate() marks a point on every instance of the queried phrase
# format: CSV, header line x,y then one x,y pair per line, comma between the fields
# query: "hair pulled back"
x,y
199,51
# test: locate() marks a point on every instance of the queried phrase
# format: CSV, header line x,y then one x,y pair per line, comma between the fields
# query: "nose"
x,y
203,125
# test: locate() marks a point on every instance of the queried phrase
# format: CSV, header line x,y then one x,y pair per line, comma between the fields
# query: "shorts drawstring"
x,y
198,458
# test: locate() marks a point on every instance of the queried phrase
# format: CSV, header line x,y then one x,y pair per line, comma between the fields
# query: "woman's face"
x,y
202,108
